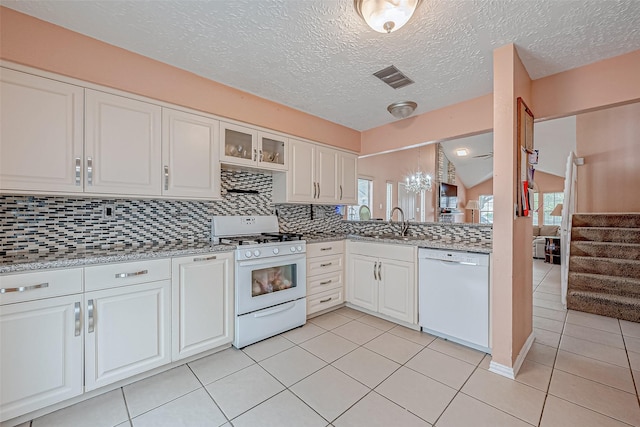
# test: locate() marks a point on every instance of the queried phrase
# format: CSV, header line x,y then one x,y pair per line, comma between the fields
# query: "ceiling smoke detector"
x,y
403,109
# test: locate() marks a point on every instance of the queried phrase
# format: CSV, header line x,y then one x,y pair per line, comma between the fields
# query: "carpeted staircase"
x,y
604,265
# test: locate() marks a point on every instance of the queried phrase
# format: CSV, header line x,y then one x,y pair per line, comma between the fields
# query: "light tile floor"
x,y
350,369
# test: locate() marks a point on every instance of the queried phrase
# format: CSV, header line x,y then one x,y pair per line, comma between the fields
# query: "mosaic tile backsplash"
x,y
49,223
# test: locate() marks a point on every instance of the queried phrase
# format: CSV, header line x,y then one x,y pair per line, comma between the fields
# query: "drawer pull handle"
x,y
326,300
326,282
91,314
76,314
205,258
125,275
24,288
327,248
327,264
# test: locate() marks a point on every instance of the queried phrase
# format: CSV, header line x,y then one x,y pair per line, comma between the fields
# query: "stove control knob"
x,y
256,253
248,254
276,251
293,248
299,248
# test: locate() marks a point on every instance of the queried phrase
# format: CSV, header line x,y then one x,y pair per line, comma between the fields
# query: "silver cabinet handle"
x,y
326,282
327,264
166,177
76,314
380,271
204,258
89,171
326,300
91,314
375,265
24,288
328,248
136,273
255,154
315,190
261,154
340,191
78,169
318,190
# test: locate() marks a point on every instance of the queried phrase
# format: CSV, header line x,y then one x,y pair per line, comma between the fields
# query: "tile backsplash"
x,y
48,223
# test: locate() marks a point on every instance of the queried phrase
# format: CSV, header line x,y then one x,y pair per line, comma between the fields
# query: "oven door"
x,y
263,283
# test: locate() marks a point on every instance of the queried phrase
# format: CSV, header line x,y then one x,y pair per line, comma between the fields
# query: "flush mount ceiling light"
x,y
461,152
403,109
386,16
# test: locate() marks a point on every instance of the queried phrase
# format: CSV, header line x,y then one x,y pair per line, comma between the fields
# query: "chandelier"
x,y
418,182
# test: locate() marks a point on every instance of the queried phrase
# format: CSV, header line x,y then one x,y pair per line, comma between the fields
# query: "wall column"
x,y
511,294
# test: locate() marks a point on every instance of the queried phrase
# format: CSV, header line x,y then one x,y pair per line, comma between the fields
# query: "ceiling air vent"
x,y
393,77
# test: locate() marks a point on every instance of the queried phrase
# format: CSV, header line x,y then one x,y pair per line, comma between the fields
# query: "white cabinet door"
x,y
122,145
327,175
202,303
348,187
397,289
301,175
238,144
127,331
41,134
40,354
190,163
362,286
272,151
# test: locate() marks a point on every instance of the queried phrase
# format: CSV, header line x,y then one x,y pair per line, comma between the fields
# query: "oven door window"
x,y
273,279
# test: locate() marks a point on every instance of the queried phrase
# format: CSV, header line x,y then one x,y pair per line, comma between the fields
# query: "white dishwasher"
x,y
454,296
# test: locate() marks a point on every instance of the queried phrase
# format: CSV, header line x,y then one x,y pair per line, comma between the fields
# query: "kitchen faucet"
x,y
404,224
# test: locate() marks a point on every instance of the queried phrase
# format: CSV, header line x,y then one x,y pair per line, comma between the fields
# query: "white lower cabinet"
x,y
40,354
127,320
325,272
41,342
127,331
202,303
382,279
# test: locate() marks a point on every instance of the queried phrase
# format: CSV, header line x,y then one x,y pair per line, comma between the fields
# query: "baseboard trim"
x,y
511,372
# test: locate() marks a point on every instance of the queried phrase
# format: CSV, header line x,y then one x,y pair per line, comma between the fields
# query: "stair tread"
x,y
595,227
604,276
600,295
608,259
603,243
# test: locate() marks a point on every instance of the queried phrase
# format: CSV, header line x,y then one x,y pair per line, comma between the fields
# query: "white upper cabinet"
x,y
245,146
190,165
122,145
348,179
40,134
317,174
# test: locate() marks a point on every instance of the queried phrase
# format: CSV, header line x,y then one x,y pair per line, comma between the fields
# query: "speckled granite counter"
x,y
484,246
29,261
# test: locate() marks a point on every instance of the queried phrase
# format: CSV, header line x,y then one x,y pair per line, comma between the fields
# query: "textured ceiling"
x,y
319,56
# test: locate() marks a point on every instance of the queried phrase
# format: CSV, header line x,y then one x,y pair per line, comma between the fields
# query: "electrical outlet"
x,y
109,211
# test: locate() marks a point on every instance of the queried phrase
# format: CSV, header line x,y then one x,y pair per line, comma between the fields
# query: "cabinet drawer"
x,y
37,285
126,273
324,300
381,250
324,264
324,282
325,248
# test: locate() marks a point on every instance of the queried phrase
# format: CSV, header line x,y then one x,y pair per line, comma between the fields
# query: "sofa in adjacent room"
x,y
539,233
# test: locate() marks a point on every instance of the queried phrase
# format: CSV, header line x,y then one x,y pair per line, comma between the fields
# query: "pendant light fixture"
x,y
386,16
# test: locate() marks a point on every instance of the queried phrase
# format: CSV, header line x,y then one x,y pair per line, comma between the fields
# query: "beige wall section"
x,y
611,81
394,167
465,118
511,300
39,44
610,177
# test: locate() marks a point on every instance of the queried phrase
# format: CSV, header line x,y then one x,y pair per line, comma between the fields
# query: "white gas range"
x,y
270,276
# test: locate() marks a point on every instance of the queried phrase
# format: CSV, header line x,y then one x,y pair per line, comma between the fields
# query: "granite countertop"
x,y
29,261
484,246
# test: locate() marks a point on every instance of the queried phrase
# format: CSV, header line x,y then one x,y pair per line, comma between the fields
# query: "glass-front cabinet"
x,y
250,147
